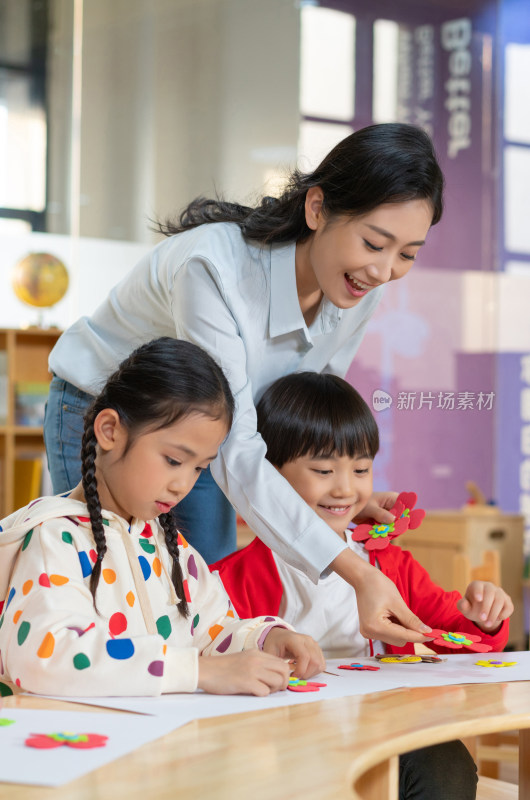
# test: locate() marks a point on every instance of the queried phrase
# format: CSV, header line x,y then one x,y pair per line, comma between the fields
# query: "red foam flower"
x,y
408,500
81,741
458,641
356,666
378,535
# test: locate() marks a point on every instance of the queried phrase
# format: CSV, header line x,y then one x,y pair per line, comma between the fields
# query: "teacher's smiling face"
x,y
347,257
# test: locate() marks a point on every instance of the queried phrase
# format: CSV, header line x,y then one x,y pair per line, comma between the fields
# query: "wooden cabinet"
x,y
24,362
444,534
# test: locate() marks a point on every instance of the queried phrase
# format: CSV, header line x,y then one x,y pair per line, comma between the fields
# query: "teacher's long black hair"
x,y
387,163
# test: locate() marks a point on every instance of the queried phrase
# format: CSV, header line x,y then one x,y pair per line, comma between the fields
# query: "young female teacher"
x,y
288,285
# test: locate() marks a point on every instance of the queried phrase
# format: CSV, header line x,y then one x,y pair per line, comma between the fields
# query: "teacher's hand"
x,y
383,614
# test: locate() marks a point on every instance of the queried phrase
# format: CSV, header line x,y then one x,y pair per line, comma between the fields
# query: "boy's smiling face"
x,y
336,487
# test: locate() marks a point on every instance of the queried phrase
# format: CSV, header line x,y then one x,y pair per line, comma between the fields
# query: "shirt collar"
x,y
285,314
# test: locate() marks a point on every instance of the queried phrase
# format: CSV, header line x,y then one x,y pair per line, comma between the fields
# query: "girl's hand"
x,y
250,672
486,605
378,508
307,659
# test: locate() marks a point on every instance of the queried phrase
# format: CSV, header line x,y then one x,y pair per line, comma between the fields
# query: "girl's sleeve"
x,y
217,628
53,641
268,503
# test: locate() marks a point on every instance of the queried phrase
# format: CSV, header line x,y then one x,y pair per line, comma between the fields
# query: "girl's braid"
x,y
169,525
90,487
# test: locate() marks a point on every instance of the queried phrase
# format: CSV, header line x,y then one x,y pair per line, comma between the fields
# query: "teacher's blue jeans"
x,y
205,517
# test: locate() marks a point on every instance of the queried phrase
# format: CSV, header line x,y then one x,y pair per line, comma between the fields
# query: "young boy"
x,y
322,437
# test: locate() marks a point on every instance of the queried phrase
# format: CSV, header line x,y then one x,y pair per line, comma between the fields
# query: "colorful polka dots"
x,y
27,587
147,532
147,546
120,649
117,623
109,576
156,668
81,661
47,646
157,567
186,590
131,599
163,626
146,569
58,580
215,630
5,690
86,567
12,593
44,580
16,616
23,631
225,644
192,567
27,539
67,537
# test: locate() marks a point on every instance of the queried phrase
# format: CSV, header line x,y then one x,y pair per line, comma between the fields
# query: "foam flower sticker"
x,y
356,666
408,500
492,663
81,741
400,660
457,641
377,535
298,685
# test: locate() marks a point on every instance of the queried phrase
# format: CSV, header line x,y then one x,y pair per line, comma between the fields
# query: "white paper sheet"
x,y
458,668
27,765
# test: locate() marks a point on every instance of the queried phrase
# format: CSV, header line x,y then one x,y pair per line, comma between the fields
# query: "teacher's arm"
x,y
272,508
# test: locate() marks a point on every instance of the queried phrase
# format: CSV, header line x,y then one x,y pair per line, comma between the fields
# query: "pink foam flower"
x,y
457,641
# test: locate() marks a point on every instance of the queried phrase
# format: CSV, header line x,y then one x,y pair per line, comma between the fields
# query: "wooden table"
x,y
345,748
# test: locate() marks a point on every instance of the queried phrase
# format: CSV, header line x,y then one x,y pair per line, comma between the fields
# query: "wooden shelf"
x,y
26,354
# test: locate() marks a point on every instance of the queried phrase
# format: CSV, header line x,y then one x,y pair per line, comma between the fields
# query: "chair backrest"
x,y
488,570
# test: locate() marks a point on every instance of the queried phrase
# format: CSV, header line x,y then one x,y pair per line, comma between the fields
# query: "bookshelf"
x,y
24,379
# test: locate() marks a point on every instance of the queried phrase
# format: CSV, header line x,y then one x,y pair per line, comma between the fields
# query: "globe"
x,y
40,279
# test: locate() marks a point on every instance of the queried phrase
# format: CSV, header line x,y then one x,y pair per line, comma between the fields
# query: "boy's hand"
x,y
486,605
378,507
303,651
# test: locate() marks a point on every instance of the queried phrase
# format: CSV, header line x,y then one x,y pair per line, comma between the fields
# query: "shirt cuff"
x,y
181,670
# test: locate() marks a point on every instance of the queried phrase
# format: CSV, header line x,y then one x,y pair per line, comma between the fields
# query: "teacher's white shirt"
x,y
238,301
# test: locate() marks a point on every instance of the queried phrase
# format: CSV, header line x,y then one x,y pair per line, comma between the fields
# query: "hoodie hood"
x,y
13,529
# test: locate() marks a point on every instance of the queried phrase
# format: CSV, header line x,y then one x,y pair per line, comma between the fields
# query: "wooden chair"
x,y
464,573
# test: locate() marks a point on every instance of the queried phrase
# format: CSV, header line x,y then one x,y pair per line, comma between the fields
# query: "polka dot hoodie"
x,y
53,641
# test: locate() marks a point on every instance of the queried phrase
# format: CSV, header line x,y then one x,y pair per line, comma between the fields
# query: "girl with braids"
x,y
288,285
103,595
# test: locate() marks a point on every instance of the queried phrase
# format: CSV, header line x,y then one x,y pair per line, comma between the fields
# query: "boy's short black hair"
x,y
309,413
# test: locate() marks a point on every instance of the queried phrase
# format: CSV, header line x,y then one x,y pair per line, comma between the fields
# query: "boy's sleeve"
x,y
251,579
436,607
